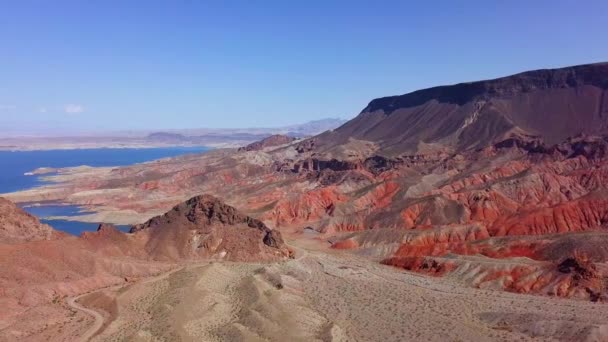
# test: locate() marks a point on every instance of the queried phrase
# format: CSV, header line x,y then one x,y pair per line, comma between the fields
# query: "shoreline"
x,y
28,148
51,181
121,218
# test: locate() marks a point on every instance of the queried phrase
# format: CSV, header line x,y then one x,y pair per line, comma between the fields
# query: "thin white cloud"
x,y
42,110
7,107
73,108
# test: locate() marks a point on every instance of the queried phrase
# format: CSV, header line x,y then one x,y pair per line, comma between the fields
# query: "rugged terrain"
x,y
37,276
203,226
477,187
324,296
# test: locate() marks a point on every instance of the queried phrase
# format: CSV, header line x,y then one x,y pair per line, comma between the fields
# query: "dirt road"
x,y
97,324
336,297
99,318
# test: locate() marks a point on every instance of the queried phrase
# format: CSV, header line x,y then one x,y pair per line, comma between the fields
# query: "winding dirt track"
x,y
97,324
325,295
99,319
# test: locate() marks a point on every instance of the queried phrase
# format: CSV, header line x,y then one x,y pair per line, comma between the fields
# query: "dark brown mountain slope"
x,y
204,226
552,104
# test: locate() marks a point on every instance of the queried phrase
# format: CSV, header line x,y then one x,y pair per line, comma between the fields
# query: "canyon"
x,y
451,202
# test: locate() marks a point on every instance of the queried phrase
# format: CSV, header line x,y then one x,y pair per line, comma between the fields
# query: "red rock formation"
x,y
535,198
420,264
307,207
346,244
380,197
576,216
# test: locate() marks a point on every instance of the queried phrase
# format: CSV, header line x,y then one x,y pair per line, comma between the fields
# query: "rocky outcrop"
x,y
307,207
314,164
18,226
203,226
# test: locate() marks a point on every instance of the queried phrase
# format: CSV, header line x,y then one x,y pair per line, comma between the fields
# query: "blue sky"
x,y
113,65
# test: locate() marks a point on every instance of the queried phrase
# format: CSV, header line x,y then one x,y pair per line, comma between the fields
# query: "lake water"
x,y
72,227
13,166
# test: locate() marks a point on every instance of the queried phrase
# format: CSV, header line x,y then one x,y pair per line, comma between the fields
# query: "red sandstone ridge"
x,y
203,226
273,140
17,226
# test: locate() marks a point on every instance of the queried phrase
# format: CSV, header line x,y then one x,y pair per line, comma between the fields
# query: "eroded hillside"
x,y
497,184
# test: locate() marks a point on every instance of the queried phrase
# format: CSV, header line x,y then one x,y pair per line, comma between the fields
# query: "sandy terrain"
x,y
328,296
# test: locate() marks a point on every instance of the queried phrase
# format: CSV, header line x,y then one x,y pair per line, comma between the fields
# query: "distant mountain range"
x,y
220,137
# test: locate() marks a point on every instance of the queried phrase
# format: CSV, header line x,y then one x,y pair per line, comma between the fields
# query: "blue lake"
x,y
72,227
13,166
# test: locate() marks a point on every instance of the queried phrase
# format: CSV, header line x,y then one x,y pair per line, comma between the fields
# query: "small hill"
x,y
204,226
